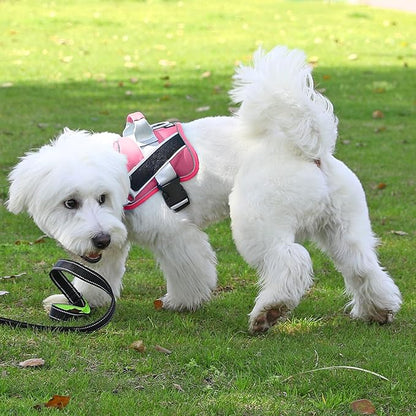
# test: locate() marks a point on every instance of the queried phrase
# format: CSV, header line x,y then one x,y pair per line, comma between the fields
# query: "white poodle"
x,y
269,166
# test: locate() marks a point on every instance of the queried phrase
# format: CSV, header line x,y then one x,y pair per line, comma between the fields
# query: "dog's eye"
x,y
71,204
101,199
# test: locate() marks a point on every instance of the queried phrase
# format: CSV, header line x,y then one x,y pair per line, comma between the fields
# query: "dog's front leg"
x,y
111,267
188,263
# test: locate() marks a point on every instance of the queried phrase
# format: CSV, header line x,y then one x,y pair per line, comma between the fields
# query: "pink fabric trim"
x,y
127,146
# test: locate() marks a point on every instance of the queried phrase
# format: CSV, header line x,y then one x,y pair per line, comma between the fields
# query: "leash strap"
x,y
78,306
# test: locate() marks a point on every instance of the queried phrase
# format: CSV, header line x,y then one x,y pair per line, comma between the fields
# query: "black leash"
x,y
78,306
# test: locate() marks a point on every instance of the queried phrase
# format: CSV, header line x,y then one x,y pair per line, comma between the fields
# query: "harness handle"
x,y
78,306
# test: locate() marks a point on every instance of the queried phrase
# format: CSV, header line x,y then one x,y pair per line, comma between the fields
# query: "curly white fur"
x,y
270,167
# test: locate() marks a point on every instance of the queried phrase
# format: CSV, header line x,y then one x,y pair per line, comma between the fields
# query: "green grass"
x,y
86,64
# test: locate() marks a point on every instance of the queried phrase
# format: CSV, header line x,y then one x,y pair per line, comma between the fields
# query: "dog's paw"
x,y
386,317
263,321
47,303
380,316
179,305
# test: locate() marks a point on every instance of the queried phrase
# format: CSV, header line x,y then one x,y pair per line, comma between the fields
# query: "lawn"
x,y
87,64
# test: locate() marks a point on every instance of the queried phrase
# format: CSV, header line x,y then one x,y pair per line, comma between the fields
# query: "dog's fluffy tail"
x,y
278,100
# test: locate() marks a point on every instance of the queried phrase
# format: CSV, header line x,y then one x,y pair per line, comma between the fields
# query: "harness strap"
x,y
144,172
78,306
156,165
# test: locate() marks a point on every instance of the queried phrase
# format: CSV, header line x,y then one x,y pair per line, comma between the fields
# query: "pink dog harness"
x,y
159,158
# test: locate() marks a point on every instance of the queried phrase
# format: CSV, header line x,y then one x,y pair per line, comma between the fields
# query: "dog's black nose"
x,y
101,240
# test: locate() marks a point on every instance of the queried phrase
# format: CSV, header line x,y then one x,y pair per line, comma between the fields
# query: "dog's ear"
x,y
24,178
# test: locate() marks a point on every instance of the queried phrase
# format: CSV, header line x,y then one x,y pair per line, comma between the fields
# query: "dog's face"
x,y
74,188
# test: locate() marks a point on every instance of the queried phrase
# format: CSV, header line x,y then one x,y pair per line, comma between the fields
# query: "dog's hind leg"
x,y
349,240
267,213
188,263
285,270
284,267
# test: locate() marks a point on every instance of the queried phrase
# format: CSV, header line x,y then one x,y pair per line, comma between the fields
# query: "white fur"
x,y
270,167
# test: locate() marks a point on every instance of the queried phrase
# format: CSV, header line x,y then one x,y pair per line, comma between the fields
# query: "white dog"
x,y
269,166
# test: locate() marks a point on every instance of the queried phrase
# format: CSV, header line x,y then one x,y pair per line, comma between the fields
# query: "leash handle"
x,y
78,306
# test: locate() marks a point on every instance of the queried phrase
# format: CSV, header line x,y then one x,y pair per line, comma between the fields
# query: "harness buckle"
x,y
174,194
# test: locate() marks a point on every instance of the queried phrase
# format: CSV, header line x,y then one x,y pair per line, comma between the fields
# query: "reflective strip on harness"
x,y
159,157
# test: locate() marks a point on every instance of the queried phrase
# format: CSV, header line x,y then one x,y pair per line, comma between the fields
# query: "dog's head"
x,y
74,189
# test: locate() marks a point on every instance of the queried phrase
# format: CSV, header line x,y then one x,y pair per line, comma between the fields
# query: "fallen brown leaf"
x,y
178,387
158,304
397,232
39,240
57,402
138,346
378,114
32,362
12,276
381,185
162,349
363,407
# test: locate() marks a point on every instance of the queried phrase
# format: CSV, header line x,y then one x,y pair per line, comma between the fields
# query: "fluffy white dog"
x,y
269,166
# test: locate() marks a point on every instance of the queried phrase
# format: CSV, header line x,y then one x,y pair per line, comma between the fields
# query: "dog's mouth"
x,y
92,257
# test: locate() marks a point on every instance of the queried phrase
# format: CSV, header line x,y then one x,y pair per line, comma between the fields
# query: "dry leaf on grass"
x,y
178,387
162,349
158,304
32,362
398,232
39,240
363,407
378,114
57,402
138,346
12,276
